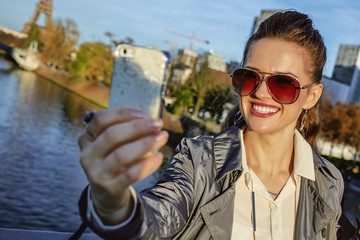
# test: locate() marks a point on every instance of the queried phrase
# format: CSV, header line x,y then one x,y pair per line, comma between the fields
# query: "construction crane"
x,y
172,46
192,38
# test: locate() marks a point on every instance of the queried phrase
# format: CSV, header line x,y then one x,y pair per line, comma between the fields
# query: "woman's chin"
x,y
264,126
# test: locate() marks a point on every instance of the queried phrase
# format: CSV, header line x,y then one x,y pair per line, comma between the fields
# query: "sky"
x,y
225,24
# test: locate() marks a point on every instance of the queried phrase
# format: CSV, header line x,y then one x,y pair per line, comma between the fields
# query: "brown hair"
x,y
294,27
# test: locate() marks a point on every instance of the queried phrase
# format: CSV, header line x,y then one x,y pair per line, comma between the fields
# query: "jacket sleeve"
x,y
162,210
334,226
336,223
341,196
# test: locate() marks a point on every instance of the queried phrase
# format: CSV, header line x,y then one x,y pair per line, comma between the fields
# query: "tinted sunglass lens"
x,y
283,88
247,81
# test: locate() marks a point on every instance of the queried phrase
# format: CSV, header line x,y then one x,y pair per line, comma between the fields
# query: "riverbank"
x,y
93,93
99,95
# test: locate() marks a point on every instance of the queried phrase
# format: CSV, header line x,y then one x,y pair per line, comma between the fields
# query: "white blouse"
x,y
273,219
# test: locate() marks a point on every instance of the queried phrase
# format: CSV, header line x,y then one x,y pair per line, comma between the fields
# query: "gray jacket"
x,y
195,198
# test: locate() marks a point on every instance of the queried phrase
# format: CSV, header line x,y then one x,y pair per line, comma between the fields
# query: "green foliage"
x,y
184,98
94,62
201,82
215,100
33,35
192,93
200,91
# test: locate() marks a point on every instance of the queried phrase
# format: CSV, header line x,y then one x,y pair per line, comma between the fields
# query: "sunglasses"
x,y
283,88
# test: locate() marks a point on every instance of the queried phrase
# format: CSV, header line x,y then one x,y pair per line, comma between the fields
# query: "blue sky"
x,y
226,24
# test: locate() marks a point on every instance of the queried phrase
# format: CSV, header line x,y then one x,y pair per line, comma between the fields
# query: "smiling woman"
x,y
258,179
283,98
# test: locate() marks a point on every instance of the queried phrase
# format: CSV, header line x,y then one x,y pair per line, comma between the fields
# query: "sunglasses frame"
x,y
267,84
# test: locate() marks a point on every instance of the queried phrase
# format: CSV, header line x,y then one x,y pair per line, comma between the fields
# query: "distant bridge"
x,y
26,59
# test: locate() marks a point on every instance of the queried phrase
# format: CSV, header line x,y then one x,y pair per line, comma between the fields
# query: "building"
x,y
264,15
12,38
231,66
347,70
183,66
187,57
221,77
43,7
337,91
215,61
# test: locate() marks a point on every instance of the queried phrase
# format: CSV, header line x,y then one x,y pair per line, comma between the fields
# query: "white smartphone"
x,y
139,79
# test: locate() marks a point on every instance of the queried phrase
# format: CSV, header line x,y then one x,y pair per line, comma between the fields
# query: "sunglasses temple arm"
x,y
306,86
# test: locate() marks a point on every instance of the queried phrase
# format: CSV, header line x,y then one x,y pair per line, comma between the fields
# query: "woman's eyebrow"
x,y
278,72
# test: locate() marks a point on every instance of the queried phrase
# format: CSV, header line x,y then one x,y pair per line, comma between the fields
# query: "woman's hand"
x,y
118,149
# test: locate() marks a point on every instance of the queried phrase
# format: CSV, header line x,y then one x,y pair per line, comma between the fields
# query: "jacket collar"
x,y
227,151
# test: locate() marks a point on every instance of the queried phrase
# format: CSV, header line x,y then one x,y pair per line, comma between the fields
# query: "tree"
x,y
94,62
200,82
350,131
59,40
194,91
127,40
33,35
184,98
331,125
216,98
340,123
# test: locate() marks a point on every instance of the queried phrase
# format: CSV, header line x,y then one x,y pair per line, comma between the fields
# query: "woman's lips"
x,y
263,110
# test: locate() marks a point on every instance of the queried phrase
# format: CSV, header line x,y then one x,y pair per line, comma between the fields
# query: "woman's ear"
x,y
314,96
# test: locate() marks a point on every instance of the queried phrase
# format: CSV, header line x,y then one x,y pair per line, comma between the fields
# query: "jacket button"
x,y
323,233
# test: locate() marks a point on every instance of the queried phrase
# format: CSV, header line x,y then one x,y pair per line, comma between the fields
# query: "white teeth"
x,y
264,110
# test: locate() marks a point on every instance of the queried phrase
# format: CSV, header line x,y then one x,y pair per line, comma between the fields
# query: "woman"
x,y
258,179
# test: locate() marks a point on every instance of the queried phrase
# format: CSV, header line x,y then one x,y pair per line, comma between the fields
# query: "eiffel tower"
x,y
44,6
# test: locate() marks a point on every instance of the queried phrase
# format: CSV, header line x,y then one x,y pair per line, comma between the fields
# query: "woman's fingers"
x,y
117,135
122,158
111,195
129,154
105,118
118,148
135,173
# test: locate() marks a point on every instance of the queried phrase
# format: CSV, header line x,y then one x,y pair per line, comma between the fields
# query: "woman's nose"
x,y
262,91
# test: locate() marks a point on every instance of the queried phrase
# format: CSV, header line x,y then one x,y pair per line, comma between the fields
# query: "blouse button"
x,y
323,233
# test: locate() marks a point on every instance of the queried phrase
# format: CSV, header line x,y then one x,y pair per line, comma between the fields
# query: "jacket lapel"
x,y
314,213
219,212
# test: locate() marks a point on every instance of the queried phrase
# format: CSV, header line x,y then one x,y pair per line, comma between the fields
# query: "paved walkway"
x,y
10,234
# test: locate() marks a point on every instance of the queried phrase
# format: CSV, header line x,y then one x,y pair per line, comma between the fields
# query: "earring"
x,y
303,123
237,117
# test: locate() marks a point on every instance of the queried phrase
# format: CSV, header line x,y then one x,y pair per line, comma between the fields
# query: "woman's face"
x,y
261,112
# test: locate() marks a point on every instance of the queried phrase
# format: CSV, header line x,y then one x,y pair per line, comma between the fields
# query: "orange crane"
x,y
192,37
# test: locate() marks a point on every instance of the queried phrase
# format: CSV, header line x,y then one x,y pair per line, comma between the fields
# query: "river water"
x,y
40,176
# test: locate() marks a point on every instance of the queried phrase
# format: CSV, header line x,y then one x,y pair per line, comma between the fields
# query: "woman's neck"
x,y
270,154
